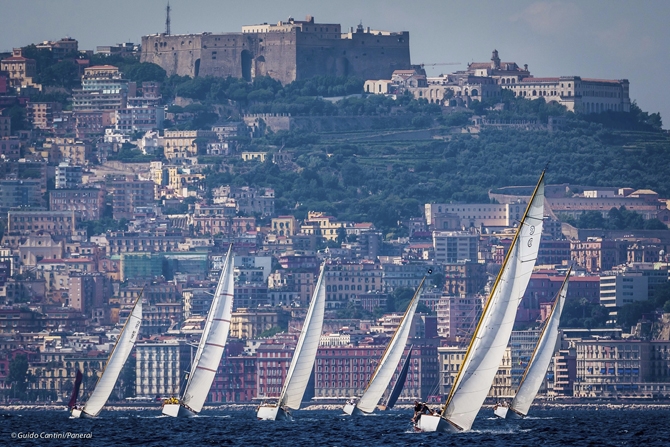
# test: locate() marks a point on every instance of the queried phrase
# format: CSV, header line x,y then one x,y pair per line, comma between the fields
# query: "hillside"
x,y
389,181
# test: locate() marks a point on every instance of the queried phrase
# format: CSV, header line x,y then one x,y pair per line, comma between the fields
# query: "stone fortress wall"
x,y
288,51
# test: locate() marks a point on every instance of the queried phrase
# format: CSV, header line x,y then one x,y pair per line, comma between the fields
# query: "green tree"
x,y
18,375
629,314
145,72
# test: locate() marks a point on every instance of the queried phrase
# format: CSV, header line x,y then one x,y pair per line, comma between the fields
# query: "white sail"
x,y
213,339
493,332
387,366
305,351
117,358
539,362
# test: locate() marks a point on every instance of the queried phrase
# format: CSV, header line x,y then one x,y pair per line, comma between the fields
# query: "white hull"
x,y
353,410
76,413
272,413
430,423
501,412
177,411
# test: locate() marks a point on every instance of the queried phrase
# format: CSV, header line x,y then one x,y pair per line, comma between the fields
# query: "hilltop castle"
x,y
288,51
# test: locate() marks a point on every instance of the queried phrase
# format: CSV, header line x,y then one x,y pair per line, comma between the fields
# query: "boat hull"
x,y
77,413
501,412
353,410
434,423
272,413
177,411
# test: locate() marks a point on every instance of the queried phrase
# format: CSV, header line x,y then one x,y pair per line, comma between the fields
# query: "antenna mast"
x,y
167,20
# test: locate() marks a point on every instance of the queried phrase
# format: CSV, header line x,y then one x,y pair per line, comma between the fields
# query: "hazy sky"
x,y
610,39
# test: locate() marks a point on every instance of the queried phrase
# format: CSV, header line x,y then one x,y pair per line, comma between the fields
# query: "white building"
x,y
159,367
620,288
489,215
454,246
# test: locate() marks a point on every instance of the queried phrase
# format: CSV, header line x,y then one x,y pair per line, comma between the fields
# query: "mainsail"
x,y
389,362
213,339
539,361
494,329
400,383
117,358
304,355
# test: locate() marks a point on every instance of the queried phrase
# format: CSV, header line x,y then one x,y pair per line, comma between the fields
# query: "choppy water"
x,y
621,427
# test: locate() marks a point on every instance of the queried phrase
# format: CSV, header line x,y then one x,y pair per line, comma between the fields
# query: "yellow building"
x,y
183,143
21,70
322,225
77,152
248,323
284,225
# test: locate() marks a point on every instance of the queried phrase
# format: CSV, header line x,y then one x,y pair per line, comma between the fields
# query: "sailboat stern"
x,y
501,411
434,423
353,410
268,412
171,410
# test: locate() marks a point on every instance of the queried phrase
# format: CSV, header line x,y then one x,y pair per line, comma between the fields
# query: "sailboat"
x,y
388,364
493,331
539,361
210,349
399,384
117,358
302,362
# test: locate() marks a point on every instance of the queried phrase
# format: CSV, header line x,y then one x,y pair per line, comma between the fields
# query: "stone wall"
x,y
283,56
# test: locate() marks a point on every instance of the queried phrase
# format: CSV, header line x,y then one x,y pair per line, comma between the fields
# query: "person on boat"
x,y
417,411
425,409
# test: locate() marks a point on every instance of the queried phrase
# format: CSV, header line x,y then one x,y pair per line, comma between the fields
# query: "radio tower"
x,y
167,20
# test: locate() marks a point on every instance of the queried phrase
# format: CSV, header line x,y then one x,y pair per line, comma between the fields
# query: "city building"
x,y
345,281
41,114
160,366
102,89
21,70
89,203
451,246
67,176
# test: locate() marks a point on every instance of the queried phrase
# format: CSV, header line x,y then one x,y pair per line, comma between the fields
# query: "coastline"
x,y
542,405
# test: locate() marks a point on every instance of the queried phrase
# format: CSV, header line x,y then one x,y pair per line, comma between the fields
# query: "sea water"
x,y
543,427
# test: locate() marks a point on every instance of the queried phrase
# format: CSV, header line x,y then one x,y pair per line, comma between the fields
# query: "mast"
x,y
536,369
304,355
386,367
494,328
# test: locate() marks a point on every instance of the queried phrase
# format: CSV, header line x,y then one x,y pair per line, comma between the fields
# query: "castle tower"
x,y
495,60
